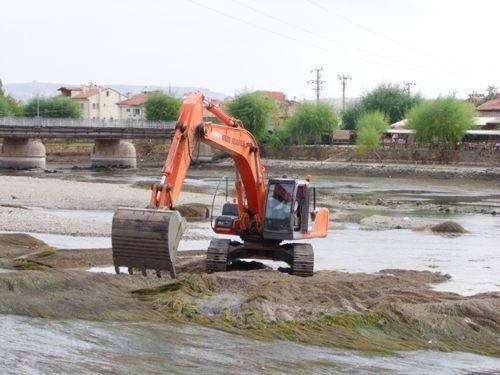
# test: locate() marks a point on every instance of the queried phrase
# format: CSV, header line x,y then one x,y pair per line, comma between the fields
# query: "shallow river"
x,y
30,345
40,345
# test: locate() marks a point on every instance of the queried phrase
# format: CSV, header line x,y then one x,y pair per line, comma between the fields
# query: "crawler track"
x,y
303,260
217,254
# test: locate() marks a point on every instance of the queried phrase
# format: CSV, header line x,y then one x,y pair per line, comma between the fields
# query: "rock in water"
x,y
448,227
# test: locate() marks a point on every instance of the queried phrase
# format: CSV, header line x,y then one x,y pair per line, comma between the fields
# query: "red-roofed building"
x,y
489,112
490,108
284,108
135,106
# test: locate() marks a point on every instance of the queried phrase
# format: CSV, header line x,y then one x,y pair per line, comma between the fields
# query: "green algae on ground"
x,y
29,265
380,332
46,253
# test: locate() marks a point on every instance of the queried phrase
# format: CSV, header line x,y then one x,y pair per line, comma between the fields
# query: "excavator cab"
x,y
289,210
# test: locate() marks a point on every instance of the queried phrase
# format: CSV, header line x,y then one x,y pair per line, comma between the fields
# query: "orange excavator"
x,y
265,217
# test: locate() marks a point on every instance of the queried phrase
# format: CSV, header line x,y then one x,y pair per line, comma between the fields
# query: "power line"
x,y
317,82
318,35
375,32
283,35
343,79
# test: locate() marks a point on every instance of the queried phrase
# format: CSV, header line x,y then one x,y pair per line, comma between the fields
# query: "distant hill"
x,y
28,90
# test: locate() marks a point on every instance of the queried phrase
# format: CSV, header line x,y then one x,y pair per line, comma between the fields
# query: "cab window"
x,y
279,206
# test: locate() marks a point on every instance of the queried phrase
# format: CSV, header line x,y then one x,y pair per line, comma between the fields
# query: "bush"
x,y
279,138
371,127
444,121
310,122
56,107
162,107
254,111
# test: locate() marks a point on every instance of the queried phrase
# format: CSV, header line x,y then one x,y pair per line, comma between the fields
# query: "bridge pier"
x,y
22,153
113,153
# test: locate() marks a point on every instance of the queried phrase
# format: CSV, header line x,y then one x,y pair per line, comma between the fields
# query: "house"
x,y
134,108
284,108
96,102
341,137
489,114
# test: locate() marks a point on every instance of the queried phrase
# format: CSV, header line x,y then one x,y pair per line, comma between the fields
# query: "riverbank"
x,y
389,170
384,312
67,207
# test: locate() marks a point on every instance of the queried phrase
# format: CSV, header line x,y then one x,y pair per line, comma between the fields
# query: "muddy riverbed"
x,y
376,289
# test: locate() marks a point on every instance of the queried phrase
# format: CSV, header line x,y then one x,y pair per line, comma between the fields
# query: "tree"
x,y
254,111
55,107
16,107
371,127
350,116
4,107
162,107
8,105
310,122
491,93
444,121
392,100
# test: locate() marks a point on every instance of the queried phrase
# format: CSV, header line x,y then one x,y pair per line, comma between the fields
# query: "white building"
x,y
96,102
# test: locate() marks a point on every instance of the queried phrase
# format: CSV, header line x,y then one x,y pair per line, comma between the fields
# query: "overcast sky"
x,y
444,46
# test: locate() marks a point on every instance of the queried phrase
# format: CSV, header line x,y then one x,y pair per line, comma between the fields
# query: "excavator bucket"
x,y
146,239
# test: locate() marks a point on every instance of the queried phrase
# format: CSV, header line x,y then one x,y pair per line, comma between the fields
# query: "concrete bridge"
x,y
23,149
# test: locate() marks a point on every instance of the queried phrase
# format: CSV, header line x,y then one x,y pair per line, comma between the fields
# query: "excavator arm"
x,y
229,137
148,238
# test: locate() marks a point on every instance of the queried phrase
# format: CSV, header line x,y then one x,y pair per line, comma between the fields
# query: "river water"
x,y
30,345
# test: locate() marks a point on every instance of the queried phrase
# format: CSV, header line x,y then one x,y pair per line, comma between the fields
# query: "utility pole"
x,y
407,86
37,99
343,80
317,83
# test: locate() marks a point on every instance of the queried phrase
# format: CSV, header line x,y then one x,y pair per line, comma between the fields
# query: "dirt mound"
x,y
18,244
391,310
75,258
73,294
448,227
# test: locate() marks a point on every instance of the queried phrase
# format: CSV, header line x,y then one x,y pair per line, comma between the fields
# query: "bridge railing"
x,y
39,122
